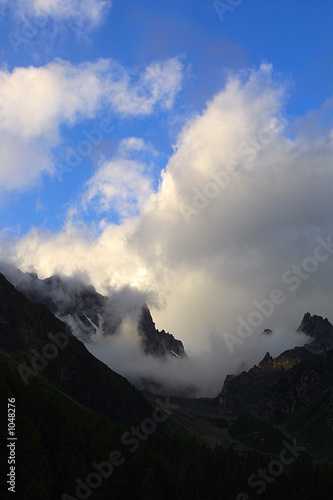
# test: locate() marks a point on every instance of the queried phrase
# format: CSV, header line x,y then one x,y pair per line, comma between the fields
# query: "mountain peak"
x,y
156,342
319,328
266,359
311,322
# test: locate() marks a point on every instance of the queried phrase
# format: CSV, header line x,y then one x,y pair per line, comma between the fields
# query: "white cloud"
x,y
80,248
235,250
85,13
36,101
164,79
122,184
159,83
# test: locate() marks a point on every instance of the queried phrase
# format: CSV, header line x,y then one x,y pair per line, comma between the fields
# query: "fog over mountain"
x,y
114,327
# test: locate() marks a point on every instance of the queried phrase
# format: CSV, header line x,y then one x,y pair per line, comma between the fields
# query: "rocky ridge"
x,y
86,311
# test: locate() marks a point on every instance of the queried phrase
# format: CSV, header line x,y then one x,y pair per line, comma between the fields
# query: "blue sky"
x,y
295,36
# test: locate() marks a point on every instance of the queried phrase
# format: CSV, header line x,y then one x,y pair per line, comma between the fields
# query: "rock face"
x,y
27,328
319,328
73,302
87,311
247,391
277,386
155,342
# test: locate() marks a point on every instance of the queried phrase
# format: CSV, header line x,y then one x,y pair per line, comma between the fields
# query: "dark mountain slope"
x,y
25,331
59,441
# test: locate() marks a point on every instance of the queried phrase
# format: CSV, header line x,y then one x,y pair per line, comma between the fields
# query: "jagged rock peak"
x,y
310,323
156,342
319,328
146,316
266,359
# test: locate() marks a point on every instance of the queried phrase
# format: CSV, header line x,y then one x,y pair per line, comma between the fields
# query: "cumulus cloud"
x,y
239,204
85,13
252,198
36,101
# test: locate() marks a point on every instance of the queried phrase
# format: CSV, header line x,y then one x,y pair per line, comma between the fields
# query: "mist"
x,y
200,374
